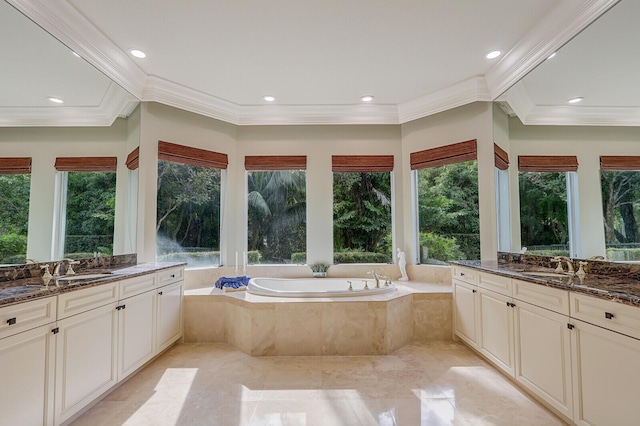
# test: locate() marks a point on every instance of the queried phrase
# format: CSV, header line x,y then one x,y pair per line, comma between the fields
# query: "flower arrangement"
x,y
319,269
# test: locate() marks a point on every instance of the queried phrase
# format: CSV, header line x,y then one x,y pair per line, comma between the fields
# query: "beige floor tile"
x,y
432,384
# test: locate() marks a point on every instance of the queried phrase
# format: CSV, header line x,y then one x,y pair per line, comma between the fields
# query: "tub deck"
x,y
358,325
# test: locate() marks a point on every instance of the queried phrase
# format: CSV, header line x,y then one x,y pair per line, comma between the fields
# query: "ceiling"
x,y
317,58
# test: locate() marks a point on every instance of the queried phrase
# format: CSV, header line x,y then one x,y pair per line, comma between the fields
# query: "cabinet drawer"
x,y
614,316
465,275
25,316
137,285
540,295
170,276
78,301
495,283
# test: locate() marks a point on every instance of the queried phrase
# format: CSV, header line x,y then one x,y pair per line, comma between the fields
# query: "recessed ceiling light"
x,y
575,100
269,98
367,98
138,53
55,100
552,55
493,54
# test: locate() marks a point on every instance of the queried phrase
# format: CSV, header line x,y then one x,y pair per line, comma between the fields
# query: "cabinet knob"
x,y
11,321
174,275
570,326
474,290
462,274
608,315
56,330
160,293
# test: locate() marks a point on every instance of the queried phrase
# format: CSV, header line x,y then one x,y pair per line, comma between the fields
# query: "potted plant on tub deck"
x,y
319,269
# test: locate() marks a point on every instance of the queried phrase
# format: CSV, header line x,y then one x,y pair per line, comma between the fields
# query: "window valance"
x,y
168,151
619,162
547,163
362,163
501,157
15,165
133,159
86,164
443,155
275,162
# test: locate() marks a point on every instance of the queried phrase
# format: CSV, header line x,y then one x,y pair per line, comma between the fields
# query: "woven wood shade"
x,y
449,154
86,164
15,165
133,159
547,163
168,151
619,162
275,162
501,157
362,163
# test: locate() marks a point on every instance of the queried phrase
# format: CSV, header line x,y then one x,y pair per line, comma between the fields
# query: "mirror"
x,y
95,118
600,66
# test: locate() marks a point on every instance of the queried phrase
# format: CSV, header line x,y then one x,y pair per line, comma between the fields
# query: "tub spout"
x,y
376,276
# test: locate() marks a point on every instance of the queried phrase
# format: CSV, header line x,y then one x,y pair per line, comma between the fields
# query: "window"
x,y
620,182
547,205
188,205
15,183
446,179
88,194
362,209
277,209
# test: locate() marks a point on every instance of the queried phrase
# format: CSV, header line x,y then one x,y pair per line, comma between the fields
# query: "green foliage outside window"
x,y
14,220
448,212
621,208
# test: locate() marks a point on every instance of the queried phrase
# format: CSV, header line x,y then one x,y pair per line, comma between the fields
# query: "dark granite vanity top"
x,y
616,282
29,288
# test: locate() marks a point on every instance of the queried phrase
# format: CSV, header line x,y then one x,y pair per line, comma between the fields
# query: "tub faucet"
x,y
376,276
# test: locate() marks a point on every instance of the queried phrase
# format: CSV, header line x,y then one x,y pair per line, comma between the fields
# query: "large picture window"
x,y
362,209
277,209
620,182
15,183
446,180
188,212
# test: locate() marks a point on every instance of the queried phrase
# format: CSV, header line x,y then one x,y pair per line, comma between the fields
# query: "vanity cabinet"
x,y
497,330
27,356
86,363
467,310
169,308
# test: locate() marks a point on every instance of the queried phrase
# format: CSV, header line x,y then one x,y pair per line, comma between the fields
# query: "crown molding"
x,y
582,116
318,114
518,99
565,21
471,90
115,103
65,23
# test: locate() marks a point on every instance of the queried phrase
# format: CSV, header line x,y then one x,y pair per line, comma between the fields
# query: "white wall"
x,y
43,145
473,121
588,144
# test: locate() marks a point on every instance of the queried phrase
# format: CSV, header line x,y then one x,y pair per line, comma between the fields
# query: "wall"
x,y
43,145
588,144
473,121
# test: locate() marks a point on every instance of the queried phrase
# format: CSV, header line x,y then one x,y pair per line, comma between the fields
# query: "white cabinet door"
x,y
169,317
26,377
543,355
607,374
496,329
136,322
86,363
466,312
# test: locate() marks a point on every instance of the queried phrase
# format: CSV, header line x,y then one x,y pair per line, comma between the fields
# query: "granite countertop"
x,y
22,290
617,286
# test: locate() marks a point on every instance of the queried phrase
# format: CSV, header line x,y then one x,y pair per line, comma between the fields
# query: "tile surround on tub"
x,y
267,326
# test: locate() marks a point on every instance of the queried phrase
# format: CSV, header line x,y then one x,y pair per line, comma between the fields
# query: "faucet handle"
x,y
70,262
558,260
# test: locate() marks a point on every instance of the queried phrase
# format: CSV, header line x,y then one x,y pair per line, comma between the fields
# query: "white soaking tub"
x,y
316,287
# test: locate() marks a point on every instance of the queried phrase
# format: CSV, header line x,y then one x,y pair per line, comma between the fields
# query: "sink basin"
x,y
84,277
546,274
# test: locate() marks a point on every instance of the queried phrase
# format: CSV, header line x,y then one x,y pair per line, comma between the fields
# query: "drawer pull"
x,y
608,315
570,326
56,330
11,321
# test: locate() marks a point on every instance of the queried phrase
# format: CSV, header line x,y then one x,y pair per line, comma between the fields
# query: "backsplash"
x,y
595,267
34,270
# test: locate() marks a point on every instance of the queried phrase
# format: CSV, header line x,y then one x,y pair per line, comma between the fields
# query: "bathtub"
x,y
315,287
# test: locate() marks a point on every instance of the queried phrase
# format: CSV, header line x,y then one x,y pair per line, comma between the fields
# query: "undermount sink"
x,y
84,277
545,274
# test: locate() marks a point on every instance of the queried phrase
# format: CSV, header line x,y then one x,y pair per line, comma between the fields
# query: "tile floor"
x,y
430,384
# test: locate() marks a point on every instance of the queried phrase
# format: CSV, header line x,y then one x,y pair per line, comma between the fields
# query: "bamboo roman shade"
x,y
133,159
275,162
501,157
449,154
547,163
168,151
362,163
14,166
619,162
86,164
